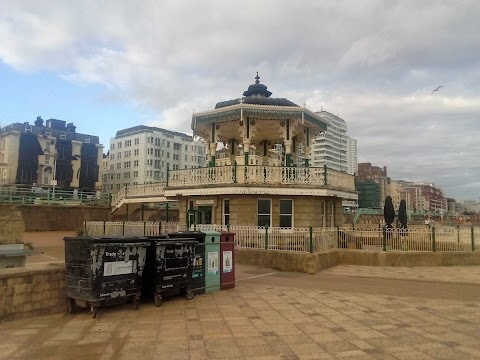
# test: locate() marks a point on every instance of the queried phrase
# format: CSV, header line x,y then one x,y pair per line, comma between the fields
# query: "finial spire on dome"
x,y
257,79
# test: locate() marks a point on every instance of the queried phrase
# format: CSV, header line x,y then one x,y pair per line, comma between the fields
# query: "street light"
x,y
54,181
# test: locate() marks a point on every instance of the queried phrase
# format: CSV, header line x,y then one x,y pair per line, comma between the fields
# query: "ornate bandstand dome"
x,y
257,94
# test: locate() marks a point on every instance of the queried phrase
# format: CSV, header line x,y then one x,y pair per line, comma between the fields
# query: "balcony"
x,y
303,181
261,175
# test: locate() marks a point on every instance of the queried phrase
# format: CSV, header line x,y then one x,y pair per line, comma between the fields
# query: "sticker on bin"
x,y
213,262
118,268
227,261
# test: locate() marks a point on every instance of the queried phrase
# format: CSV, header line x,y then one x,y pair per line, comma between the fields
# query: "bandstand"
x,y
258,172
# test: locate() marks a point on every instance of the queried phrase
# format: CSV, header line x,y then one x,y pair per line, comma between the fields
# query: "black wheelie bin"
x,y
169,266
103,271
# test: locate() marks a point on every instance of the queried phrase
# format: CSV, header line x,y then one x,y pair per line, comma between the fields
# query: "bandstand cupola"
x,y
257,122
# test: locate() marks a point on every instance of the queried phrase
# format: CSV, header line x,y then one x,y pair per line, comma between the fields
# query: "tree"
x,y
389,212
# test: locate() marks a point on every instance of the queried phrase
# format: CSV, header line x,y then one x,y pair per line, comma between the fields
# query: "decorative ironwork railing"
x,y
240,174
445,238
259,174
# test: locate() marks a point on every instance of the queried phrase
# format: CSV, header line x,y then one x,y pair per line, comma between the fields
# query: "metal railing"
x,y
37,196
239,174
311,239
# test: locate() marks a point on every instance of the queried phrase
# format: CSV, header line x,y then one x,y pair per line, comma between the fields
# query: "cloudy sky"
x,y
108,65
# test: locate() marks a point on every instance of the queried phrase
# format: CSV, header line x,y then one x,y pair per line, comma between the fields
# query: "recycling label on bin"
x,y
118,268
227,261
212,262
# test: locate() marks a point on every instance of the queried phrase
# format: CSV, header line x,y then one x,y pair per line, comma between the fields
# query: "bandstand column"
x,y
232,151
265,153
306,148
213,149
288,152
246,151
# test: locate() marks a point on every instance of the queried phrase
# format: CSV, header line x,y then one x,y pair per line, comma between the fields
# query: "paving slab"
x,y
258,319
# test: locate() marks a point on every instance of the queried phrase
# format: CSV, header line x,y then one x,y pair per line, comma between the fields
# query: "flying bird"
x,y
438,88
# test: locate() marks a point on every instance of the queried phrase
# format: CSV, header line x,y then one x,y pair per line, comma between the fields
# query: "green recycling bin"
x,y
212,257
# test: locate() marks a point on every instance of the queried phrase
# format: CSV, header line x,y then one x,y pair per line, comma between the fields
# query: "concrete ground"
x,y
341,313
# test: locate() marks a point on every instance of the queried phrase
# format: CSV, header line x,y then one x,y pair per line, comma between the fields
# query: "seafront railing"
x,y
311,239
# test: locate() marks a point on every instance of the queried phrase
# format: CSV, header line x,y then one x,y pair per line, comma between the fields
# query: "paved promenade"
x,y
341,313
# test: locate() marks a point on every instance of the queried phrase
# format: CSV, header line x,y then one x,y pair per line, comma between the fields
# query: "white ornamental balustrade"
x,y
338,179
119,196
153,189
201,176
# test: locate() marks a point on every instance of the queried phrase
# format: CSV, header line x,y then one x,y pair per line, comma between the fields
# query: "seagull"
x,y
438,88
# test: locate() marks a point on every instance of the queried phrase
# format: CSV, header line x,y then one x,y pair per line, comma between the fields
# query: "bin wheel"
x,y
70,305
136,303
189,295
158,300
93,310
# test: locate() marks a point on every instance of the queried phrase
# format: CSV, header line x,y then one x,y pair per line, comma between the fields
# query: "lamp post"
x,y
54,180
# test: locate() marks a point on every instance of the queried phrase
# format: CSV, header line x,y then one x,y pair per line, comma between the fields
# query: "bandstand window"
x,y
264,212
226,212
286,213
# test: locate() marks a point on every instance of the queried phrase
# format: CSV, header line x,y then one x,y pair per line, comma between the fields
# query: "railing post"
x,y
473,239
159,228
325,174
434,247
84,228
266,237
123,228
168,175
235,171
384,238
458,233
338,237
311,239
104,228
144,227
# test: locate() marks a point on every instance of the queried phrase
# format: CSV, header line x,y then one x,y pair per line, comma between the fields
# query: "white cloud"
x,y
374,63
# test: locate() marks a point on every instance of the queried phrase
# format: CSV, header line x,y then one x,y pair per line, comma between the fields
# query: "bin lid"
x,y
211,233
187,234
227,233
107,239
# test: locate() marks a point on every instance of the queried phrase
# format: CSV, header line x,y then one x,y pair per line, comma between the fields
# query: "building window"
x,y
128,143
126,164
112,146
118,176
135,174
119,145
286,213
135,152
63,135
264,212
119,155
119,165
137,141
87,140
126,175
135,163
226,212
48,132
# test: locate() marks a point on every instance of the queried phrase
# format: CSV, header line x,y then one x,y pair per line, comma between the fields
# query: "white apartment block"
x,y
334,148
142,154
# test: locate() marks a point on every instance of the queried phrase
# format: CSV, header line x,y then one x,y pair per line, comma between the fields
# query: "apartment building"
x,y
334,147
50,153
367,171
143,154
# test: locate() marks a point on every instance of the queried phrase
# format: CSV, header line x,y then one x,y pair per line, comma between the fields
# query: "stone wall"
x,y
60,218
12,225
32,291
312,263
